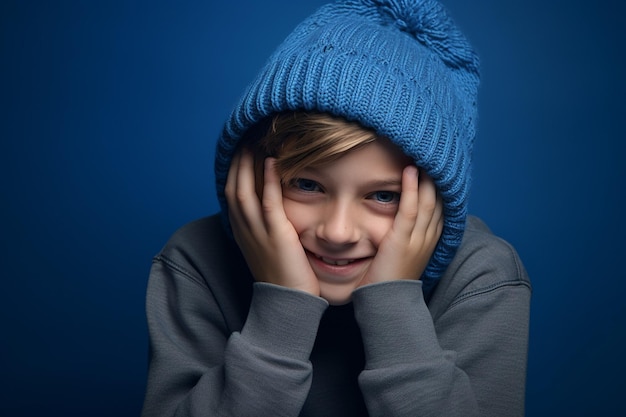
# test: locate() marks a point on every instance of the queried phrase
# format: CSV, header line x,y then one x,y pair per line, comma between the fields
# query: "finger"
x,y
231,179
404,221
234,211
272,194
439,216
245,192
435,227
237,221
243,204
427,203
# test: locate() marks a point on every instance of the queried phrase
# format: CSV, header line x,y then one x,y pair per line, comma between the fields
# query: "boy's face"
x,y
342,210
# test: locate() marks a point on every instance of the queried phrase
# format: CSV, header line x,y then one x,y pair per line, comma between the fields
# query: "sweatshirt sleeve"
x,y
198,368
467,360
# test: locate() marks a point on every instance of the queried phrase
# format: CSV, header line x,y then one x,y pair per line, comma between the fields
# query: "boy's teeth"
x,y
335,262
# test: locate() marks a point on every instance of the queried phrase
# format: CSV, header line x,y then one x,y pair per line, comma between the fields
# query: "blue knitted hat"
x,y
400,67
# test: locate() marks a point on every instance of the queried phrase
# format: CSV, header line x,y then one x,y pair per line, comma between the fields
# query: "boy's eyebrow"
x,y
386,182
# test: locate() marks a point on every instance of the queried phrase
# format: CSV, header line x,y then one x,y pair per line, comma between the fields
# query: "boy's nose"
x,y
339,225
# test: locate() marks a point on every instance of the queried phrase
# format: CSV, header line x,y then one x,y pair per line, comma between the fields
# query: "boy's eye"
x,y
305,185
386,196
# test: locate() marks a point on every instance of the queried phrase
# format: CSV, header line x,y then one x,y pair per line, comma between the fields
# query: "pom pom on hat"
x,y
429,23
400,67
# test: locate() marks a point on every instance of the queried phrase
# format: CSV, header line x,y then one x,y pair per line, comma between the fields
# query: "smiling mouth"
x,y
335,262
338,262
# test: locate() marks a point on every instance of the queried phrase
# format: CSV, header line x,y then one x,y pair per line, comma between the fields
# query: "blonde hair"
x,y
300,139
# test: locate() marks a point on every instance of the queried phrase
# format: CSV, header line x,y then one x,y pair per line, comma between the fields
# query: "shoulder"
x,y
202,232
200,270
199,236
200,249
484,263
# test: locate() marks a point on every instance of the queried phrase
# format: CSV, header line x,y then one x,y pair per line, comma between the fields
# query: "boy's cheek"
x,y
379,228
298,214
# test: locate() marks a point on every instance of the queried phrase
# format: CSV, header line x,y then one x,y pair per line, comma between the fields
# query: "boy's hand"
x,y
405,251
265,236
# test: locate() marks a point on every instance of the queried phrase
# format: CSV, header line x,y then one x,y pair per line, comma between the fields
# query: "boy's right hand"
x,y
265,236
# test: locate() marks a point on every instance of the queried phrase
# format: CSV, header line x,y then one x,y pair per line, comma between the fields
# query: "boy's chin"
x,y
336,296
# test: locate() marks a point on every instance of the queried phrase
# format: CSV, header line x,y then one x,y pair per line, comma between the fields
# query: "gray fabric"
x,y
222,345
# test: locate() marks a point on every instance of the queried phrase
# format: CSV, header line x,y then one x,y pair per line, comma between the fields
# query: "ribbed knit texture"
x,y
400,67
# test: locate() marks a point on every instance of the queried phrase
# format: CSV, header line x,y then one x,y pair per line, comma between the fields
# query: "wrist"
x,y
283,320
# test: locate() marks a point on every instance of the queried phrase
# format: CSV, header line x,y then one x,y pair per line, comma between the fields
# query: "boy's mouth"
x,y
337,270
338,262
333,261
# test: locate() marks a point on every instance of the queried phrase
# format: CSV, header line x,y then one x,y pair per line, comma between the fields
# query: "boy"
x,y
343,276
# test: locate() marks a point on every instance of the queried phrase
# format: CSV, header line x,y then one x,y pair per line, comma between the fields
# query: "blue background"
x,y
109,112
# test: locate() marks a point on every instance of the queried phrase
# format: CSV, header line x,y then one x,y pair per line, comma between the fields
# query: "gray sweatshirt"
x,y
223,345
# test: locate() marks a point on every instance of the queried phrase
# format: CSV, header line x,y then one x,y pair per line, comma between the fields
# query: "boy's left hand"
x,y
405,251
